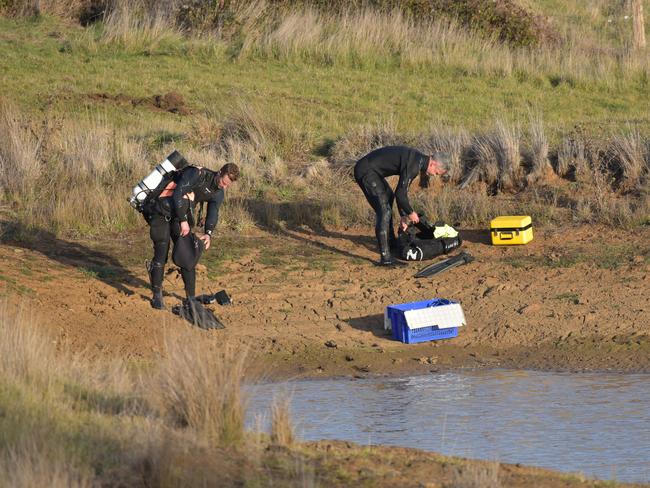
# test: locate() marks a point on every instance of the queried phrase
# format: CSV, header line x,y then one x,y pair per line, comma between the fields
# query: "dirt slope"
x,y
572,299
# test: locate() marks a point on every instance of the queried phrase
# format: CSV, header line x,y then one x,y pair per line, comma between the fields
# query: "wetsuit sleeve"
x,y
410,169
212,214
186,184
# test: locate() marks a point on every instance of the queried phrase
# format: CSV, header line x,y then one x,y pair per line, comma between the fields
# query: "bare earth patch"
x,y
169,102
311,304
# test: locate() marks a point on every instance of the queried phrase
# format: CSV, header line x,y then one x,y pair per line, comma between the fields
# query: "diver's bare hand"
x,y
185,228
414,218
206,241
404,222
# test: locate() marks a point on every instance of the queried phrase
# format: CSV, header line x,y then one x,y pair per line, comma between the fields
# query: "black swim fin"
x,y
445,264
195,313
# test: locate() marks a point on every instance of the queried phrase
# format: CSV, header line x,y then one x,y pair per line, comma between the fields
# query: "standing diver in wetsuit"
x,y
369,173
172,214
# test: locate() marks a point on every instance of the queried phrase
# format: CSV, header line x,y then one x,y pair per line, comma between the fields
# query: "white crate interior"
x,y
444,316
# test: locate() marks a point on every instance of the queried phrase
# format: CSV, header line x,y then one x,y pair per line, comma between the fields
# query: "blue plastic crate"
x,y
401,331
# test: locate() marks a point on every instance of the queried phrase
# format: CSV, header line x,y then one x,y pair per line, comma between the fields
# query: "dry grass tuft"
x,y
495,159
31,465
483,164
200,388
539,151
20,147
134,26
629,157
360,141
572,154
26,354
282,430
506,141
477,475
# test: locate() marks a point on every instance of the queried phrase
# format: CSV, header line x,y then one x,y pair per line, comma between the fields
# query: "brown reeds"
x,y
483,164
69,420
505,141
359,141
571,155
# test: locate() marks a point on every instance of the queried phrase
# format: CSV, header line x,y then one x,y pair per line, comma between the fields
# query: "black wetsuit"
x,y
166,214
369,173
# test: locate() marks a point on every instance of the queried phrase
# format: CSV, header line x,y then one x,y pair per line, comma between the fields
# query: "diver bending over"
x,y
171,215
370,173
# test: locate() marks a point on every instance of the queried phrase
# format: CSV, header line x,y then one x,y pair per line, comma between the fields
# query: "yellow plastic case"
x,y
510,230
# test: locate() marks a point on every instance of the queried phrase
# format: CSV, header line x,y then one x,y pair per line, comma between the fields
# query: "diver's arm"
x,y
185,185
407,175
212,214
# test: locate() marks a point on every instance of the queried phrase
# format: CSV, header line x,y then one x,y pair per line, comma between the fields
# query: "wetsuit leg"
x,y
188,275
380,196
159,234
392,240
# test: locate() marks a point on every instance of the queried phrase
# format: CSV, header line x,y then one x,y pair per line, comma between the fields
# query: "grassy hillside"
x,y
295,97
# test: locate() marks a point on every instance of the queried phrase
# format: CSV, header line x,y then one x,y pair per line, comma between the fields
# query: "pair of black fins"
x,y
448,263
196,314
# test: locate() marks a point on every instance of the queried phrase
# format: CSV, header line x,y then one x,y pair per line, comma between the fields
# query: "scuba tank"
x,y
161,173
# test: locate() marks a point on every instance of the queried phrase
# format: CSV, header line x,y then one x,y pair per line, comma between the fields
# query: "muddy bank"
x,y
310,303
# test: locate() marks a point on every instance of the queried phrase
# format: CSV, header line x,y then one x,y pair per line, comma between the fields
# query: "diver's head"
x,y
438,164
227,175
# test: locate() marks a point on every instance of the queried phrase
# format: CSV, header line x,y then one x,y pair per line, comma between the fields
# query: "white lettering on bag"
x,y
414,254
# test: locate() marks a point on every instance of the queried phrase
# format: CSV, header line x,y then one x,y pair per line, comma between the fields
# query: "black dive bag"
x,y
418,244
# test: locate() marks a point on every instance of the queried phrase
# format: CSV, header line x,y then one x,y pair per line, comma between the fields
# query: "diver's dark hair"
x,y
230,169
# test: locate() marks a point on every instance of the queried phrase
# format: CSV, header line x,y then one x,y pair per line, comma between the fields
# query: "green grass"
x,y
14,286
225,249
99,272
571,297
322,101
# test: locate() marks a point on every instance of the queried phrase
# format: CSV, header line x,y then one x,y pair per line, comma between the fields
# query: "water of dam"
x,y
597,424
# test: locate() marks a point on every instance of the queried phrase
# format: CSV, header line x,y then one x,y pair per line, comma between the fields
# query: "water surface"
x,y
593,423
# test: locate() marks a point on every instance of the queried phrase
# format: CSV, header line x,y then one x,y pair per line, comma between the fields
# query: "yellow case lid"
x,y
510,221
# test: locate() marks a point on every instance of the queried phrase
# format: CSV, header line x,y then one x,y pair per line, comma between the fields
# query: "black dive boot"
x,y
156,274
386,258
157,300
